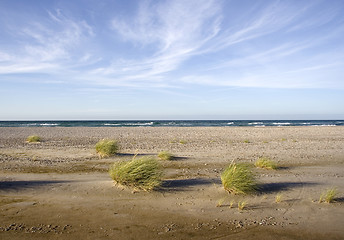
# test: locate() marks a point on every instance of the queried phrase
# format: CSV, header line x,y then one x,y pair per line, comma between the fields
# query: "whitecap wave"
x,y
255,123
49,124
139,124
112,124
281,123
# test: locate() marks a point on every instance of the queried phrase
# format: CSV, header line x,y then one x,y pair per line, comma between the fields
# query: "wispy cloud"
x,y
264,41
172,31
44,46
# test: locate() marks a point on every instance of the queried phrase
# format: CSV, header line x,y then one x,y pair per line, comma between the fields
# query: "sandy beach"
x,y
60,189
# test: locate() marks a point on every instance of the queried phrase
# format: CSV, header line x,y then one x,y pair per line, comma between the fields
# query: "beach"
x,y
59,188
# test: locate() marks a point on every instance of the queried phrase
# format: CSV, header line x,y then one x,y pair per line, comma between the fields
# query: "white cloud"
x,y
45,45
244,50
183,30
177,29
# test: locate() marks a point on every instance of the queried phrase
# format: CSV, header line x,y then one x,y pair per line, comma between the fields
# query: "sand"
x,y
60,189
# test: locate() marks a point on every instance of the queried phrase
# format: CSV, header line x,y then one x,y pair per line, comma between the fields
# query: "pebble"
x,y
40,228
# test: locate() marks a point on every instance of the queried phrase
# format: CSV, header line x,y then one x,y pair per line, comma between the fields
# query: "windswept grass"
x,y
165,155
266,163
106,148
220,202
143,173
238,179
278,198
33,138
329,195
242,205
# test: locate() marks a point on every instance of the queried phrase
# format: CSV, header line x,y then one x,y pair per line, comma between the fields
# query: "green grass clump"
x,y
33,138
242,205
266,163
165,155
328,196
238,179
106,148
220,202
278,198
143,173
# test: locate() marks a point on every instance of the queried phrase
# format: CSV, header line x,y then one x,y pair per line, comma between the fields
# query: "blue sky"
x,y
176,59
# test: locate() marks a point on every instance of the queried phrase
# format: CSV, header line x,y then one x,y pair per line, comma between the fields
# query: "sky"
x,y
171,59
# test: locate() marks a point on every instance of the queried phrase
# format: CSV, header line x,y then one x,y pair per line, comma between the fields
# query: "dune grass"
x,y
238,179
266,163
106,148
220,202
143,173
242,205
278,198
329,195
33,138
165,155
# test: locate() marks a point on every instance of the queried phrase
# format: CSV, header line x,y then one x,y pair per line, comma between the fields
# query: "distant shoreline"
x,y
172,123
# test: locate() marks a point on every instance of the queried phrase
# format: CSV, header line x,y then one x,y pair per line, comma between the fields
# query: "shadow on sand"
x,y
182,184
282,186
20,185
338,200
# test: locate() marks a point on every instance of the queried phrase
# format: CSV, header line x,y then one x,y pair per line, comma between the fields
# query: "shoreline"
x,y
63,179
171,123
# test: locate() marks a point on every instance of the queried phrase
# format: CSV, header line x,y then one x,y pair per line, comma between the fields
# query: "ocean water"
x,y
174,123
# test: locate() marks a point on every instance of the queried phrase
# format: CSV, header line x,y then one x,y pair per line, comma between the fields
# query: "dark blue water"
x,y
174,123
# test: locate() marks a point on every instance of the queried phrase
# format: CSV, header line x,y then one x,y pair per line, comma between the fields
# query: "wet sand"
x,y
60,189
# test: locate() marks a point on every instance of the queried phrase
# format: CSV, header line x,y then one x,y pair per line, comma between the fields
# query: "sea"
x,y
174,123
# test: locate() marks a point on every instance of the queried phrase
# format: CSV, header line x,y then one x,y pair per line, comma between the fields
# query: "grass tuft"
x,y
238,179
266,163
106,148
220,202
165,155
33,138
142,173
328,196
231,204
278,198
242,205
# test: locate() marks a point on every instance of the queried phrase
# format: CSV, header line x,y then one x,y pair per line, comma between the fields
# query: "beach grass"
x,y
329,195
220,202
278,198
143,173
266,163
33,139
238,179
242,205
106,148
165,155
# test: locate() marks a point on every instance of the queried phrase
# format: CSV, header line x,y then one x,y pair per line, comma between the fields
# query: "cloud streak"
x,y
44,47
178,43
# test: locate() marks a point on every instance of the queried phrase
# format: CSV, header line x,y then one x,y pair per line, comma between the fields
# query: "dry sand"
x,y
60,189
